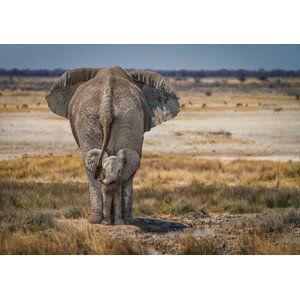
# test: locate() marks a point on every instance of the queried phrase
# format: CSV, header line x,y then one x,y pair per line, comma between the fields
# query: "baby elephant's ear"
x,y
131,159
92,162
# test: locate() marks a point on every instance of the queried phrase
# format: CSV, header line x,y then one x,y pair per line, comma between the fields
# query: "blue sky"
x,y
191,57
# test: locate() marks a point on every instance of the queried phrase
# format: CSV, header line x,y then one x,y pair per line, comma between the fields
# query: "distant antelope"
x,y
17,106
239,105
277,110
204,105
190,103
4,105
246,105
259,104
38,104
182,106
225,103
24,106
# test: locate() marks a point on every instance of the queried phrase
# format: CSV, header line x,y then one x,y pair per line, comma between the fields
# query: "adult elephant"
x,y
109,111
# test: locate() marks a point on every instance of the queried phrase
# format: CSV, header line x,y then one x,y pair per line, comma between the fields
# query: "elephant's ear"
x,y
63,89
92,161
162,98
131,159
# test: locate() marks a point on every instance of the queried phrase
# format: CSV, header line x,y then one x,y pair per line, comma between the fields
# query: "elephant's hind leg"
x,y
118,206
107,203
127,199
96,200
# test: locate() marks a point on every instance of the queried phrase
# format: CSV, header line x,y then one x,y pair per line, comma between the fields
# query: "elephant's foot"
x,y
118,221
95,218
127,220
106,221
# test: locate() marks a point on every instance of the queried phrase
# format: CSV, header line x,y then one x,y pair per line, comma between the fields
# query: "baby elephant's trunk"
x,y
109,180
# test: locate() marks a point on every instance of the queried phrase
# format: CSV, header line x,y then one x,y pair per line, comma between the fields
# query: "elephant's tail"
x,y
106,118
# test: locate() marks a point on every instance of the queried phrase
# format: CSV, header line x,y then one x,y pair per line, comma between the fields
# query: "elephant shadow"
x,y
156,225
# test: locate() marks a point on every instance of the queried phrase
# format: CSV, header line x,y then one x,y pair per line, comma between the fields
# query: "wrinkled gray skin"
x,y
116,187
109,111
112,189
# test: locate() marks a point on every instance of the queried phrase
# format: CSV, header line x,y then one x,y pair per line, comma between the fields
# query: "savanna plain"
x,y
223,177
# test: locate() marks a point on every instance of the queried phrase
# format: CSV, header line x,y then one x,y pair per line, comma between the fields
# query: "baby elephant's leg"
x,y
118,205
107,201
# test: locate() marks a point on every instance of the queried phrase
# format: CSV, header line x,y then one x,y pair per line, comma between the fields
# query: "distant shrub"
x,y
197,80
262,77
181,78
241,79
208,93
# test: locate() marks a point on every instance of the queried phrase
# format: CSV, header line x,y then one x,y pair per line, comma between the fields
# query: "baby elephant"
x,y
115,175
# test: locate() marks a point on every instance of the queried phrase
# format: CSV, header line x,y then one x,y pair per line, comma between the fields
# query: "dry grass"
x,y
171,185
43,169
217,140
193,100
57,118
63,240
245,244
35,191
23,93
38,192
152,142
216,109
8,109
263,234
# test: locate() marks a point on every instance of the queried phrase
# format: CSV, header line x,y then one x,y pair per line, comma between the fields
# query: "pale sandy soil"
x,y
260,134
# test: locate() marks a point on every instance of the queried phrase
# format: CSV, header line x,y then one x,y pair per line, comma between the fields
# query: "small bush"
x,y
73,213
241,79
272,223
292,216
205,246
262,77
